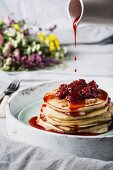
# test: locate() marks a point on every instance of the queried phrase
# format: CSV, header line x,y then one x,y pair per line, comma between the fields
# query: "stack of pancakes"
x,y
91,116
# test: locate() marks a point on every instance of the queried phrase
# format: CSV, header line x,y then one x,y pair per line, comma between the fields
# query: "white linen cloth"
x,y
19,156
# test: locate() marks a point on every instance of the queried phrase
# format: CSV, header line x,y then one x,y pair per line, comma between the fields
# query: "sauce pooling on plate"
x,y
33,123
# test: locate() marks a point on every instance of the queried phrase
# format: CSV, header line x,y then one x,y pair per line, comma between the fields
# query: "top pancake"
x,y
62,105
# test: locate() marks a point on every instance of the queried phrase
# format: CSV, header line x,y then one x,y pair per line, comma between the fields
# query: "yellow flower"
x,y
41,36
51,40
47,40
57,43
52,37
16,27
52,46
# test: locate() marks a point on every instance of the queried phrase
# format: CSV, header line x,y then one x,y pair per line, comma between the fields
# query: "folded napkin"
x,y
19,156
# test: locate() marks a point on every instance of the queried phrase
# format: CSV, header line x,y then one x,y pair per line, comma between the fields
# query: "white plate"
x,y
30,111
34,110
99,147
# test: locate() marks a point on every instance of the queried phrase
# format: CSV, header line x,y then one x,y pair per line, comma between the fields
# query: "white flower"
x,y
57,55
18,38
6,67
65,50
15,43
39,52
34,43
11,40
37,47
10,32
21,36
33,49
34,46
23,42
29,49
25,27
8,61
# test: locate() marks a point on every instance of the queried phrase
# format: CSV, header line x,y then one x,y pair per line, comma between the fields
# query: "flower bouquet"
x,y
22,50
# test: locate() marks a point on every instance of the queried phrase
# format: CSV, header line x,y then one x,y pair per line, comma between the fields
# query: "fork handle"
x,y
2,95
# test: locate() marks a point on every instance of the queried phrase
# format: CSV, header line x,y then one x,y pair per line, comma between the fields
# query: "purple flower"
x,y
38,58
51,29
40,29
41,65
26,32
12,21
31,58
23,59
14,59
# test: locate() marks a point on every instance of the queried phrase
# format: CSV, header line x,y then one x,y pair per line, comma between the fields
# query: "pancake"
x,y
64,106
98,129
91,112
47,111
80,123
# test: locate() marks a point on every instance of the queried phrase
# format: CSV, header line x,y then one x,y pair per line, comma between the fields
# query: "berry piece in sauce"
x,y
78,91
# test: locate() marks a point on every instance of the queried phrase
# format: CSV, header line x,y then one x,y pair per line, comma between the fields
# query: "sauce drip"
x,y
48,97
43,105
75,28
75,58
33,123
73,106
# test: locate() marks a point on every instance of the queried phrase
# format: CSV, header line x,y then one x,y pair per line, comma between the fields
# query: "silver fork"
x,y
13,86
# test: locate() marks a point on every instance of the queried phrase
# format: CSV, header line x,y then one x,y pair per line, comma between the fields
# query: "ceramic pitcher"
x,y
91,11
